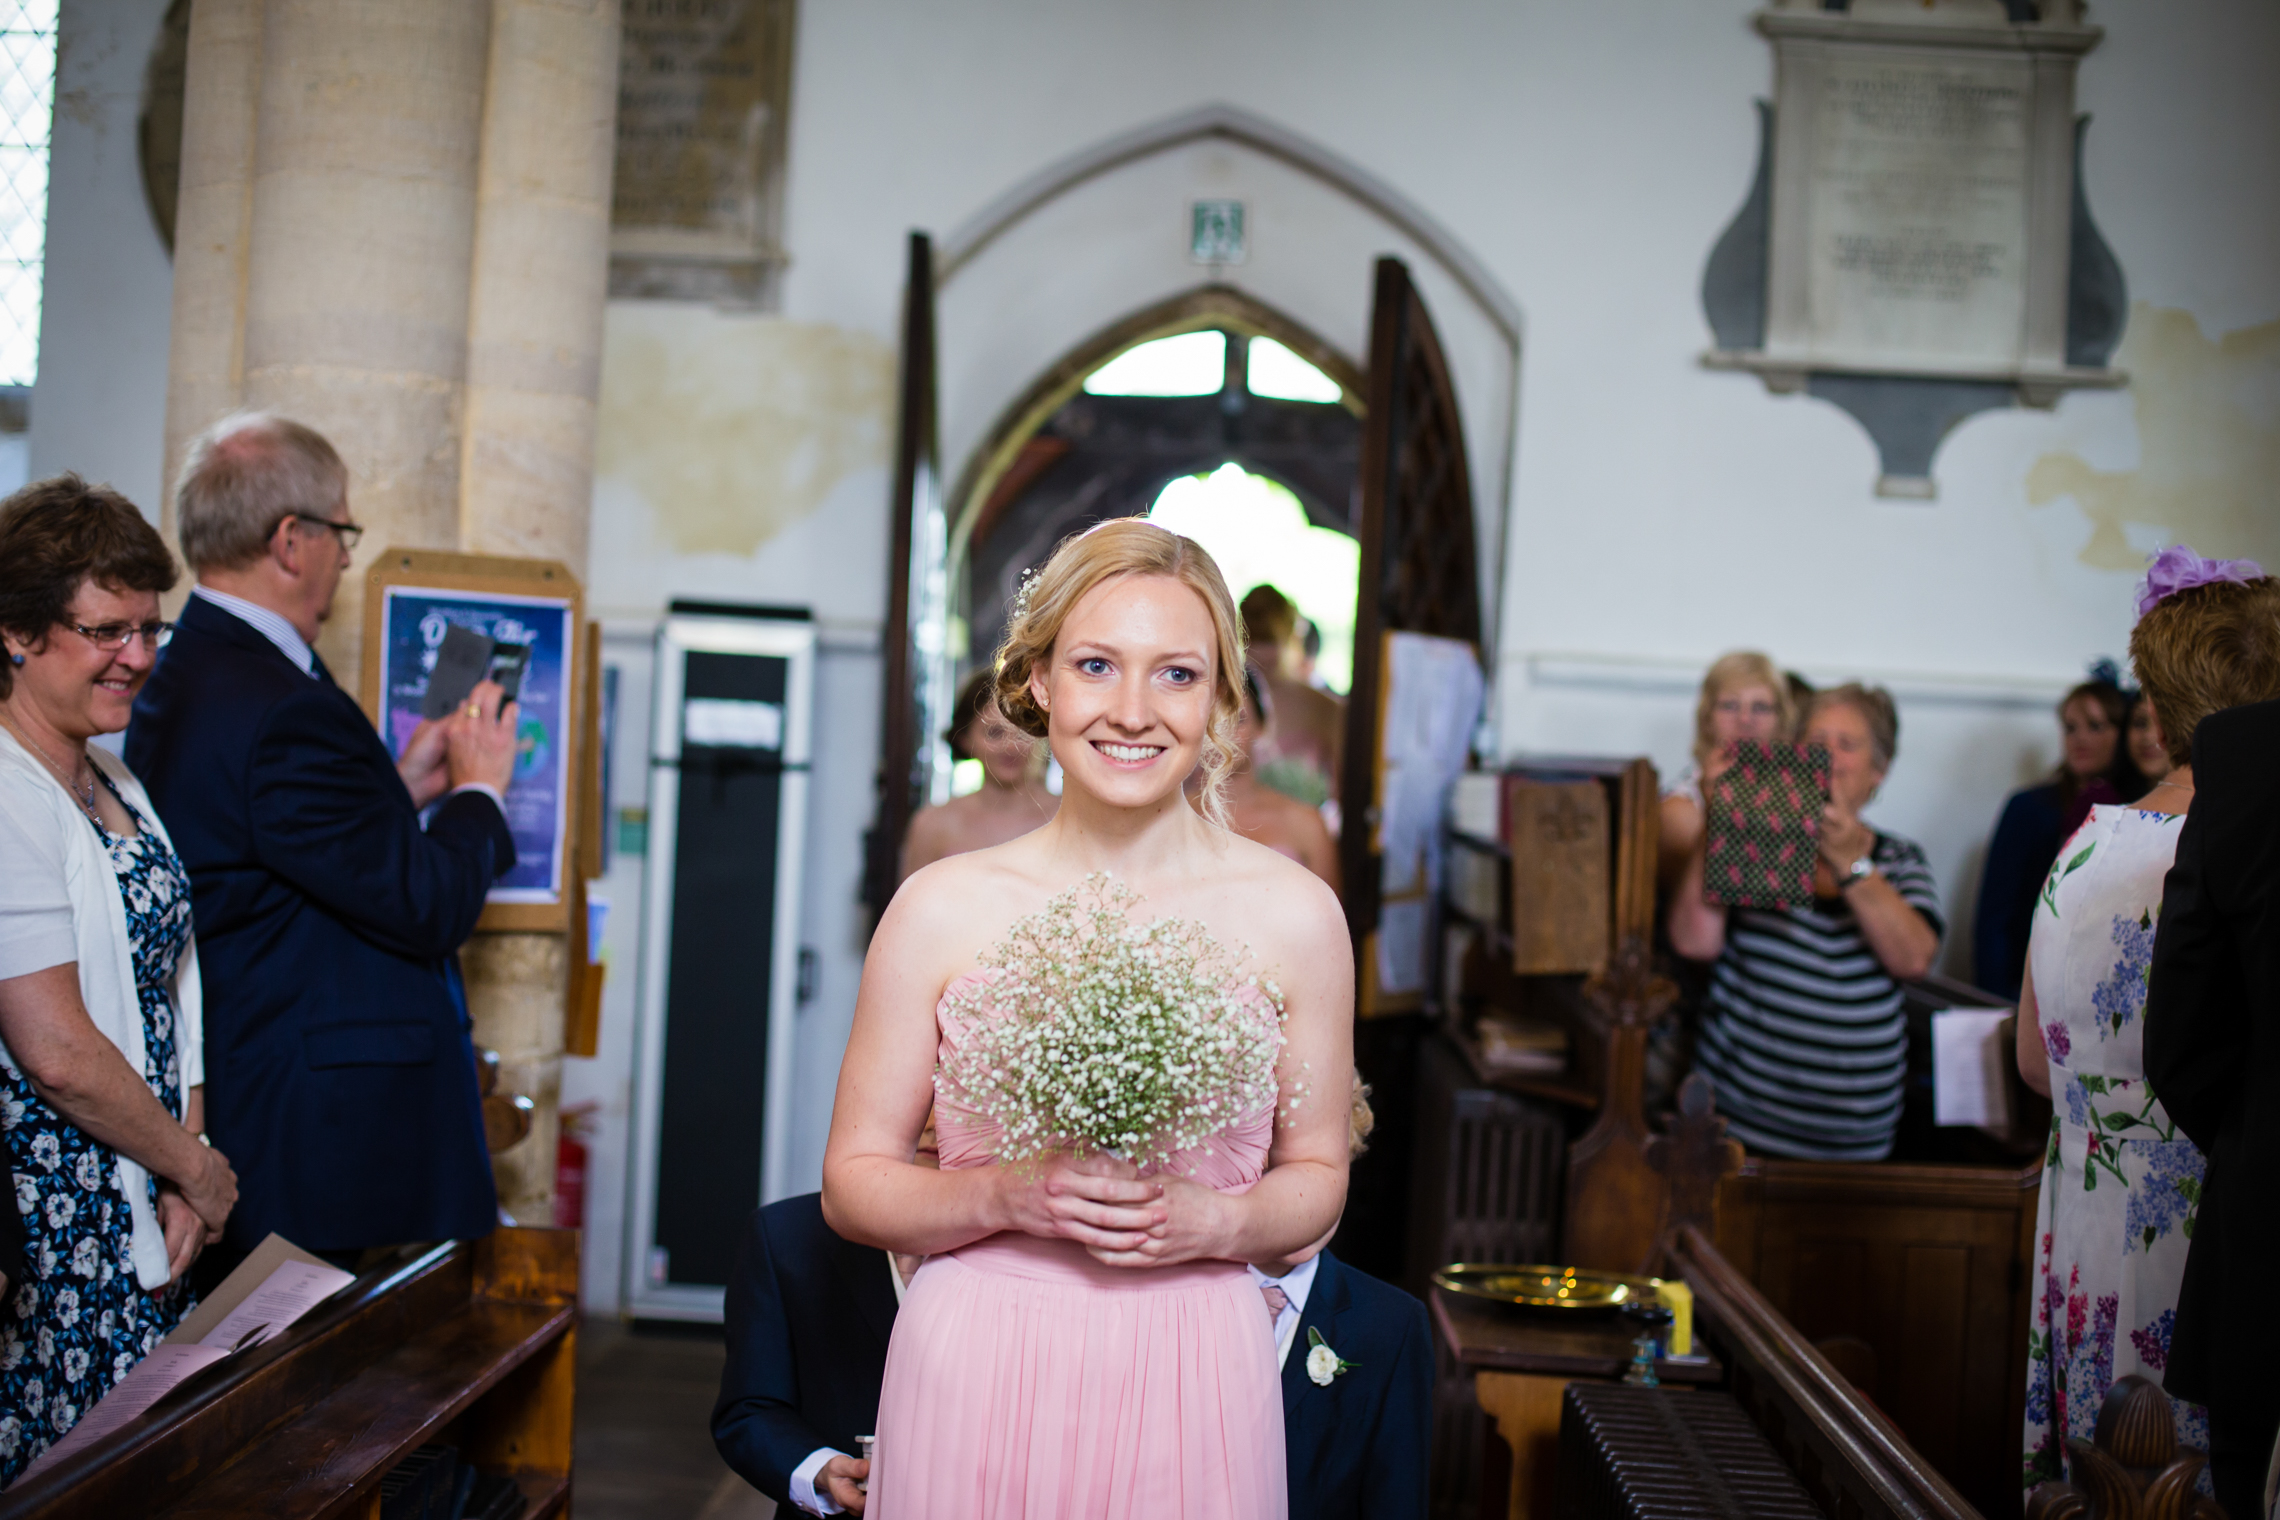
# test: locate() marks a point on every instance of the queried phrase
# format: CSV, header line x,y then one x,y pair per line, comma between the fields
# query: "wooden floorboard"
x,y
644,1443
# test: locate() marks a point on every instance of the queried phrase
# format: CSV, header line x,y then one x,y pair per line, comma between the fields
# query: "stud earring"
x,y
15,659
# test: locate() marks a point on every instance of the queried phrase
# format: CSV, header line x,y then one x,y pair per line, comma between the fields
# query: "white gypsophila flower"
x,y
1322,1365
1093,1033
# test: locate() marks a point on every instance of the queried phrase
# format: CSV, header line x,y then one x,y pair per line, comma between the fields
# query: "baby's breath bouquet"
x,y
1097,1034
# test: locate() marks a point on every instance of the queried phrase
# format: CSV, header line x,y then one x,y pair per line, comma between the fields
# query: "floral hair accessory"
x,y
2178,568
1020,608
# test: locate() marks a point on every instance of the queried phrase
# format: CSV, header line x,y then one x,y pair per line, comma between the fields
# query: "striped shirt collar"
x,y
268,624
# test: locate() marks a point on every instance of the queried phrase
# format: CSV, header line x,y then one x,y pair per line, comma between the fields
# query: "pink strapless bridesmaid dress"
x,y
1027,1380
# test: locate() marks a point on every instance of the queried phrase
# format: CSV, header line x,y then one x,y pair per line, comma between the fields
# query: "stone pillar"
x,y
358,265
534,353
394,227
541,273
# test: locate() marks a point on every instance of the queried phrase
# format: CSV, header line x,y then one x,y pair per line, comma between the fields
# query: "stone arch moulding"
x,y
1207,306
1089,255
1225,121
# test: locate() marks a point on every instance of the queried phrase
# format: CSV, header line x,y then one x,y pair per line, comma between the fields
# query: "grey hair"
x,y
245,475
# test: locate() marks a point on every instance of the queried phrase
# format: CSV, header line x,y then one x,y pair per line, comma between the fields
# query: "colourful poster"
x,y
412,624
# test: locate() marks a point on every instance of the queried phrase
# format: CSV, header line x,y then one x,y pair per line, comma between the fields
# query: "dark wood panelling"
x,y
1927,1266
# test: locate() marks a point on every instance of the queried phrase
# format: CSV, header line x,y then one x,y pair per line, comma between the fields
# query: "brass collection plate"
x,y
1544,1287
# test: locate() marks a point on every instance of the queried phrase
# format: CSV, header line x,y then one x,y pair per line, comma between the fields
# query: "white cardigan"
x,y
47,842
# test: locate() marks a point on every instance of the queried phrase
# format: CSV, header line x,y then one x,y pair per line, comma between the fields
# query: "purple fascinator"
x,y
2178,568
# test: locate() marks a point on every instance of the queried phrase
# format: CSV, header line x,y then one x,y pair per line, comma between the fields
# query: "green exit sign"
x,y
1215,233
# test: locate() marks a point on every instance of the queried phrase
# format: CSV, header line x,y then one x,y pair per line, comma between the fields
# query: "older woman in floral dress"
x,y
101,1071
2120,1182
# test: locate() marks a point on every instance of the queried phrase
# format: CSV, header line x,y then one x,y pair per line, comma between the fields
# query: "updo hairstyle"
x,y
1121,547
2204,649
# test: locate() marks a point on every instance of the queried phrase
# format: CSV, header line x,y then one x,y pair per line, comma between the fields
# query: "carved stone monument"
x,y
703,87
1917,219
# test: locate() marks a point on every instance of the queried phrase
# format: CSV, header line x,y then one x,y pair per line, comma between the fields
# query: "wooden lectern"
x,y
471,1344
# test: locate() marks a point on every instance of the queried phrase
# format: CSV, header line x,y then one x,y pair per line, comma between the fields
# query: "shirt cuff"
x,y
803,1483
487,790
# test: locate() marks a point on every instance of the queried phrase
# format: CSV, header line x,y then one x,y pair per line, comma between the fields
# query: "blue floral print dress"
x,y
80,1321
2120,1184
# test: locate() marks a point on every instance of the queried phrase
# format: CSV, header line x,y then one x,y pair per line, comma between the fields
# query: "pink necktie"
x,y
1277,1301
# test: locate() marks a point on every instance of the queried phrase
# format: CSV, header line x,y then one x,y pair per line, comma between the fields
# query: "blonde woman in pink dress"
x,y
1083,1341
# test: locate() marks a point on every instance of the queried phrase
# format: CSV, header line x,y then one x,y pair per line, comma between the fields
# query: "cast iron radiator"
x,y
1485,1187
1630,1453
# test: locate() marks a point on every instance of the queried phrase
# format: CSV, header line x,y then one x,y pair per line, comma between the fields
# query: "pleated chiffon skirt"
x,y
1026,1381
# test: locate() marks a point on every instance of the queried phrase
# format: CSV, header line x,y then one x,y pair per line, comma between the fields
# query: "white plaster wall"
x,y
99,405
15,461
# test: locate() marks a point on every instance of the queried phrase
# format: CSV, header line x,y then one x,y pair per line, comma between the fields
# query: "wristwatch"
x,y
1859,870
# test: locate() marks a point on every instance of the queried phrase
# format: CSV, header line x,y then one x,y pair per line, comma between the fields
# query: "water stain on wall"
x,y
2208,423
733,428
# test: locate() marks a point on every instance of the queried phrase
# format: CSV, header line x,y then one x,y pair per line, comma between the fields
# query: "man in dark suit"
x,y
809,1316
2212,1055
340,1075
1357,1387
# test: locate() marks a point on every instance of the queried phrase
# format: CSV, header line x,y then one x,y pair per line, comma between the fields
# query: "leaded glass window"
x,y
27,96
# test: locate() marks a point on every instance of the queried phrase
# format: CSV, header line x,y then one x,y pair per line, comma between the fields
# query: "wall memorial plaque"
x,y
697,201
1916,247
1914,204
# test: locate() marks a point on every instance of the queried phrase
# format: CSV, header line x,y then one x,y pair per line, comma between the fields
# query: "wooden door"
x,y
911,636
1419,568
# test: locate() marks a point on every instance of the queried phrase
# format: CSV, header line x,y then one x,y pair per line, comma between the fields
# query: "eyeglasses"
x,y
347,533
113,637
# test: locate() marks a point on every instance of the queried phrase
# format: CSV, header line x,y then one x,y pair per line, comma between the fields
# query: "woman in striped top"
x,y
1803,1032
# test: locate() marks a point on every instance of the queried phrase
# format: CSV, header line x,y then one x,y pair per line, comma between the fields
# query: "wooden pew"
x,y
471,1344
1849,1455
1852,1460
1912,1275
2132,1467
1920,1277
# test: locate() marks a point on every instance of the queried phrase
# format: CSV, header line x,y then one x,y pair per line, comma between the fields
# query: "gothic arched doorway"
x,y
1210,379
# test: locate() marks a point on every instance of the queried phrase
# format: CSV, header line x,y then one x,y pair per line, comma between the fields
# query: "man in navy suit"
x,y
1357,1381
809,1316
1357,1387
340,1075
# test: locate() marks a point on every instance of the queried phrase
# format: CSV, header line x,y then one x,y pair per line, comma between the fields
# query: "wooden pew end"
x,y
2132,1468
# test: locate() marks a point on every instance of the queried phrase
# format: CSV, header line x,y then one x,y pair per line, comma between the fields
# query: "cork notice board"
x,y
411,596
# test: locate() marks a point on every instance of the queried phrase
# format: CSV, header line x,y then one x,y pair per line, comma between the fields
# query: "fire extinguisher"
x,y
570,1157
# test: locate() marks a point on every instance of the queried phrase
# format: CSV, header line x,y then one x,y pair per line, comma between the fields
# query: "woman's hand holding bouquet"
x,y
1103,1049
1099,1202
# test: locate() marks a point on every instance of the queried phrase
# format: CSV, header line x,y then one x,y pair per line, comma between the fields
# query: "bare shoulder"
x,y
948,912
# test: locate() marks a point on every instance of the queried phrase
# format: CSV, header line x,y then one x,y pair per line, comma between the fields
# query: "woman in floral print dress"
x,y
2119,1181
101,1061
2121,1184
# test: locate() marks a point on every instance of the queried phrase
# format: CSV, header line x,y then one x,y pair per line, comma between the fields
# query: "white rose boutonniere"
x,y
1322,1363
